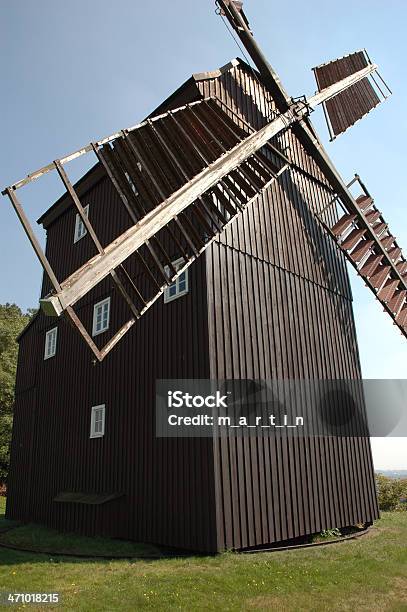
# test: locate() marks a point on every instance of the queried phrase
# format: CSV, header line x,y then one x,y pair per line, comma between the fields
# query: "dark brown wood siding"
x,y
168,484
285,312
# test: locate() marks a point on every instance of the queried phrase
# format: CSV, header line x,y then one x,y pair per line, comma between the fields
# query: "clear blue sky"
x,y
74,72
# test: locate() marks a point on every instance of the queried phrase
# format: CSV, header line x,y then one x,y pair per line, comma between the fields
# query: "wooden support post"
x,y
73,317
32,238
133,285
76,201
124,293
270,77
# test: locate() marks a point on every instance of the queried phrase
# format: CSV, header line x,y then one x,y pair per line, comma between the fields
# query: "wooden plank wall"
x,y
168,484
285,313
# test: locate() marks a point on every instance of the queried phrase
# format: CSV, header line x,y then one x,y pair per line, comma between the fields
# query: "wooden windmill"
x,y
183,176
225,204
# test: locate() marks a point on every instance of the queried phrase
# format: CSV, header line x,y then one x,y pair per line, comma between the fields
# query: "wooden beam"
x,y
81,211
32,238
118,336
124,293
76,322
270,77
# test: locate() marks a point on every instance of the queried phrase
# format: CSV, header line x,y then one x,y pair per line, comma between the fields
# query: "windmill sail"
x,y
365,238
183,177
348,106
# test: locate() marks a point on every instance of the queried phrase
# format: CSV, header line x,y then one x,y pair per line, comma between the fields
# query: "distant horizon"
x,y
402,470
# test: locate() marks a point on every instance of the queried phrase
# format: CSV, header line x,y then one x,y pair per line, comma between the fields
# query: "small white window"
x,y
50,343
179,286
80,229
101,317
97,421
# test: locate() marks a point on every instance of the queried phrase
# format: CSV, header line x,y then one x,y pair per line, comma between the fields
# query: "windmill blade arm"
x,y
97,268
269,76
373,251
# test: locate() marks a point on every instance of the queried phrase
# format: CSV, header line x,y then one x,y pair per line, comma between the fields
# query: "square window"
x,y
97,421
80,229
180,286
50,343
101,317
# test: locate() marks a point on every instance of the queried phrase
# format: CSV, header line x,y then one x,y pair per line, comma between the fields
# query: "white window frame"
x,y
52,353
96,332
79,225
93,432
179,263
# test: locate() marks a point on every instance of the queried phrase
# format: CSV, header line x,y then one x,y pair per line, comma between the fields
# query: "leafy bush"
x,y
6,423
12,322
391,492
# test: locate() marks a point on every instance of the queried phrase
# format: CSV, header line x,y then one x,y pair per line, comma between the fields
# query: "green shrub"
x,y
12,322
391,493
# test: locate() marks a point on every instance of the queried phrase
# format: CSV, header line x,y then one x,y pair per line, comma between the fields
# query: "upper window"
x,y
101,317
80,229
50,343
97,421
179,286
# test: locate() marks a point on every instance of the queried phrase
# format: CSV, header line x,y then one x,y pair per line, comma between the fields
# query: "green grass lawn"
x,y
369,573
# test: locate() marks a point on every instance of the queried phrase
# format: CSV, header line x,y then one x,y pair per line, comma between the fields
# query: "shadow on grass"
x,y
76,549
40,544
